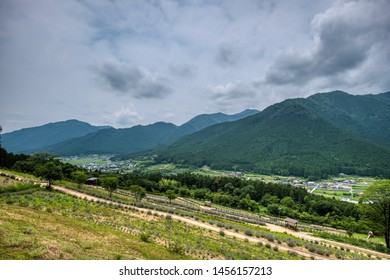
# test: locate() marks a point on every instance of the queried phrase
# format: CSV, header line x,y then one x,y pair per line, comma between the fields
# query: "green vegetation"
x,y
378,209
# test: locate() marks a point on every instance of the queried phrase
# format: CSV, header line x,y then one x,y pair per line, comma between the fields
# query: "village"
x,y
100,163
337,185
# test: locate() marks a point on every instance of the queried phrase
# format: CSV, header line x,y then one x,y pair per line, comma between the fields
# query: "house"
x,y
91,181
291,223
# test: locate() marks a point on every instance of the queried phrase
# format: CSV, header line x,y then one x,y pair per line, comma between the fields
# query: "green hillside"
x,y
367,116
286,138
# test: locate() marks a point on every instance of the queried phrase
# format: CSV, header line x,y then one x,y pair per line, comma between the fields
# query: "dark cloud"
x,y
344,37
132,81
227,56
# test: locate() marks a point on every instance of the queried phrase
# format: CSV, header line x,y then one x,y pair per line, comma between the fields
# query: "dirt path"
x,y
308,236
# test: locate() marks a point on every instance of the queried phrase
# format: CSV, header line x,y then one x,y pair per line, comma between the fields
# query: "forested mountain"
x,y
323,134
137,138
367,116
28,139
117,141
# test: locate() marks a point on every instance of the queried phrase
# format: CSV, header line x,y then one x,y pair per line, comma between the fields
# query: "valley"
x,y
345,187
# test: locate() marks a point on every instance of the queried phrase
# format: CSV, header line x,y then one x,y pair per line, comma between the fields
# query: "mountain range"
x,y
326,133
35,138
75,138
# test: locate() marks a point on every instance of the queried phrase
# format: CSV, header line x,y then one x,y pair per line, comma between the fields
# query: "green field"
x,y
86,160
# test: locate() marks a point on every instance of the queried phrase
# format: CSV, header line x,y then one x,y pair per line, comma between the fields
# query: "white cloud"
x,y
125,117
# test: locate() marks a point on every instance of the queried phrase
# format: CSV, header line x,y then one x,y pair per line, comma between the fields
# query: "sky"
x,y
123,63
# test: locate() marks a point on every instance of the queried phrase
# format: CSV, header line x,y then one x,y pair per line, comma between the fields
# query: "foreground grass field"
x,y
35,234
52,225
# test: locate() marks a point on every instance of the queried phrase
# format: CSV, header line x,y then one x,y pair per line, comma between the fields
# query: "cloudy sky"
x,y
122,63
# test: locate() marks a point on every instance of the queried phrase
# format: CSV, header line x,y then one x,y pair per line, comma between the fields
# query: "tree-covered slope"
x,y
28,139
286,138
367,116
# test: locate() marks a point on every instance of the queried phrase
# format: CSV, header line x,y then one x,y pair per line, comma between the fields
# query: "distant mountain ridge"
x,y
137,138
32,138
325,133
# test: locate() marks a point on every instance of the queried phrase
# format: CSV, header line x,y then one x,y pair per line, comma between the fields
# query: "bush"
x,y
270,237
292,253
290,243
248,232
168,217
175,247
145,236
221,233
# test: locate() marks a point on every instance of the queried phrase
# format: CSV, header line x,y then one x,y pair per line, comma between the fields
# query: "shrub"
x,y
290,243
145,236
292,253
221,233
248,232
175,247
168,217
270,237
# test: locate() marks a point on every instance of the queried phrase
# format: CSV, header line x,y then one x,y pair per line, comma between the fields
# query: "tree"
x,y
49,171
171,195
79,177
139,192
378,208
110,184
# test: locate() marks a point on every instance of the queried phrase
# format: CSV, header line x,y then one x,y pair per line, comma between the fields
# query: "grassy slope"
x,y
51,225
34,234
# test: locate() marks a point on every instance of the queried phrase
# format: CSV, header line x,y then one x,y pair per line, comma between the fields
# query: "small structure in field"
x,y
91,181
291,223
207,203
